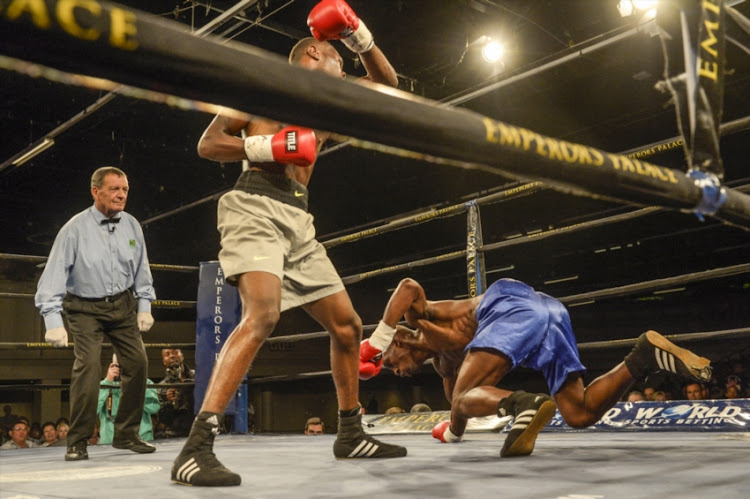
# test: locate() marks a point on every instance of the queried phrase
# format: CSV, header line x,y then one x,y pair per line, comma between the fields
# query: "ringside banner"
x,y
676,415
218,311
423,422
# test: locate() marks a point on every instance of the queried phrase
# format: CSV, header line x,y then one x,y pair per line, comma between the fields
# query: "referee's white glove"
x,y
145,321
57,337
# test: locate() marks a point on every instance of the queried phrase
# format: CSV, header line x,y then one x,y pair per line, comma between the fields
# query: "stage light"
x,y
492,51
631,7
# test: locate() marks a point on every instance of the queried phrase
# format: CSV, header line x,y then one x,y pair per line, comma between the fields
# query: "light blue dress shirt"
x,y
93,260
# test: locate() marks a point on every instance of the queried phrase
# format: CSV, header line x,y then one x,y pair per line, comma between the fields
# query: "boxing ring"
x,y
573,465
576,464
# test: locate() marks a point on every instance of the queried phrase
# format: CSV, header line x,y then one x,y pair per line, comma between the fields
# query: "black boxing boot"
x,y
531,412
653,352
352,442
77,451
197,463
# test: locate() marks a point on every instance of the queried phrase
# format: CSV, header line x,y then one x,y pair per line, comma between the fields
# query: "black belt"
x,y
107,299
275,186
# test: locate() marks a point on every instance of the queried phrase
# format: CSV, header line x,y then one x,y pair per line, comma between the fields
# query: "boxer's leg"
x,y
475,395
653,352
581,407
336,314
197,464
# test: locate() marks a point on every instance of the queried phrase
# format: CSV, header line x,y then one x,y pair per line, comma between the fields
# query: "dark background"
x,y
605,99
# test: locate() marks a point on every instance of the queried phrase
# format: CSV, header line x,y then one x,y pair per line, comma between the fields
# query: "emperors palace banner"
x,y
677,415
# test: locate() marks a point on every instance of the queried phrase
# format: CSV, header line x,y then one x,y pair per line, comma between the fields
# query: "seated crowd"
x,y
170,409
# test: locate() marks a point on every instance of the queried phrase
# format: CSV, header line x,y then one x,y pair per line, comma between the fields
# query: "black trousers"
x,y
88,321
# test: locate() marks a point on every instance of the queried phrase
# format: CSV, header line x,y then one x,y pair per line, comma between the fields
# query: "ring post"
x,y
475,272
218,313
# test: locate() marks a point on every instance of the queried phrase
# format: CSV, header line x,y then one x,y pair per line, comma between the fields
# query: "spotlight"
x,y
492,51
630,7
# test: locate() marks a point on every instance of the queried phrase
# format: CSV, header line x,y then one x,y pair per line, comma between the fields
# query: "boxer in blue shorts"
x,y
475,342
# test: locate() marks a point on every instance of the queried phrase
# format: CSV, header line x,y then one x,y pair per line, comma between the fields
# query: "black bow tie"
x,y
110,221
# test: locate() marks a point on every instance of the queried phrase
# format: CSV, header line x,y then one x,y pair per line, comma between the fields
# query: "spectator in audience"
x,y
27,421
35,433
109,401
737,368
177,404
694,391
314,426
19,437
648,392
733,392
7,420
394,410
635,396
420,407
62,430
733,380
49,433
660,396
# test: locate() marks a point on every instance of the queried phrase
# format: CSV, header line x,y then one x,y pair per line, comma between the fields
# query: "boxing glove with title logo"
x,y
293,144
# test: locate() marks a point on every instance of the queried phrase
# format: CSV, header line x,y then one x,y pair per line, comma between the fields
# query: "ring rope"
x,y
592,345
102,101
432,214
572,300
724,334
255,81
173,304
658,283
635,153
43,259
64,386
41,345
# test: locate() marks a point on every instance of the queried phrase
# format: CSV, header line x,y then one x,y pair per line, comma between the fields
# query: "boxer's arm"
x,y
220,142
336,20
408,301
408,294
448,384
379,69
458,425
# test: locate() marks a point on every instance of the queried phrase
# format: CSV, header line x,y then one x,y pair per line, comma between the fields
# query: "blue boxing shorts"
x,y
531,328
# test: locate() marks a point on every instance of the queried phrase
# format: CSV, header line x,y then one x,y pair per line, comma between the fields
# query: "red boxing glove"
x,y
370,360
335,20
442,431
292,144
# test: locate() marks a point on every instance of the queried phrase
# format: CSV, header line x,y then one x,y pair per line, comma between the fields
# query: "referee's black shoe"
x,y
77,451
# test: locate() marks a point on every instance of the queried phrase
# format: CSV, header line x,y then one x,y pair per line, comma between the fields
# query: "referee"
x,y
97,282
